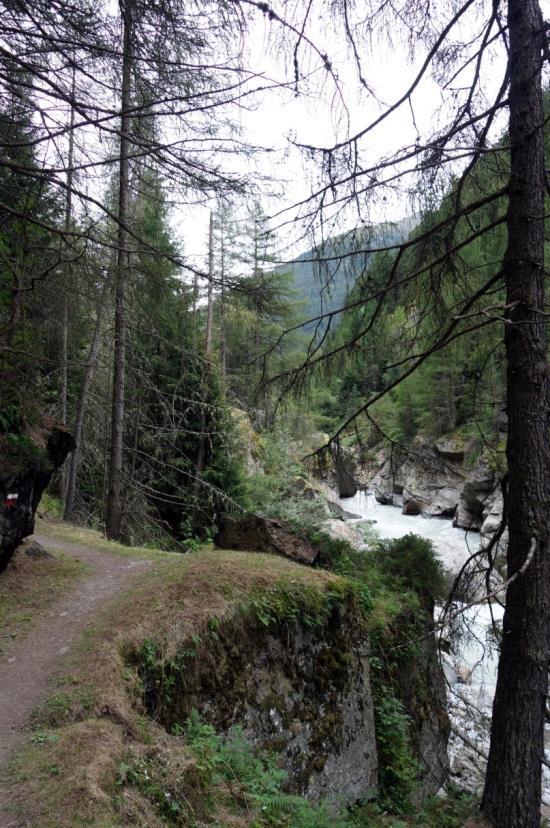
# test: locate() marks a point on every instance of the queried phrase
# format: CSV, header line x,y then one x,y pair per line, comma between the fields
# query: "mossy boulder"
x,y
27,462
300,691
255,533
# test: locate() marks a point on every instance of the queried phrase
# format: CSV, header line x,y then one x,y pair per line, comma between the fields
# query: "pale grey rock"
x,y
383,496
476,491
430,483
492,514
339,530
463,674
453,449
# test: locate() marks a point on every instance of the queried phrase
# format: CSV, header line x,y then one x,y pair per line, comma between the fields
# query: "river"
x,y
470,666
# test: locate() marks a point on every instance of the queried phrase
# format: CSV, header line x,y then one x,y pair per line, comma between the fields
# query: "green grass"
x,y
83,536
94,759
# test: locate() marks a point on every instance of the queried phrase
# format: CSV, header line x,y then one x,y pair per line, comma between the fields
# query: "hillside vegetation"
x,y
97,757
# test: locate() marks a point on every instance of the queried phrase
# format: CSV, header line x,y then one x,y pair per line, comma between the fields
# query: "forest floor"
x,y
45,605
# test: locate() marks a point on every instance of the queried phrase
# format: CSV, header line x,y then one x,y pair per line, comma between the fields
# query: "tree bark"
x,y
82,405
512,795
223,343
210,301
201,452
114,511
64,379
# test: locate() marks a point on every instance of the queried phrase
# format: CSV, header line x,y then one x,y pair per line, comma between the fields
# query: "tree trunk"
x,y
114,511
201,453
223,343
210,302
195,294
83,405
64,379
512,794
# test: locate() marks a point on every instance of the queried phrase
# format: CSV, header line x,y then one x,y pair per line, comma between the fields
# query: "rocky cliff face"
x,y
25,471
301,692
437,480
421,688
304,692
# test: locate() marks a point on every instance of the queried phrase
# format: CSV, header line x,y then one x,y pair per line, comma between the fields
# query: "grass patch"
x,y
28,587
50,507
90,727
83,536
94,759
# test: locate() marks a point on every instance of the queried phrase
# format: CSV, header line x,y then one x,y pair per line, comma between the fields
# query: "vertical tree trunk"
x,y
195,295
114,511
201,452
64,379
82,405
223,345
512,794
210,301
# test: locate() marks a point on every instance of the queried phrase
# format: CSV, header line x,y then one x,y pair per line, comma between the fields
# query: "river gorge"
x,y
468,645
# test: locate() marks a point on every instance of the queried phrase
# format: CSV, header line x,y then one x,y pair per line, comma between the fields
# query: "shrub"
x,y
411,561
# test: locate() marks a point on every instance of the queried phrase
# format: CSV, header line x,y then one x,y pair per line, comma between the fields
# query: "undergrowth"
x,y
402,578
227,776
306,604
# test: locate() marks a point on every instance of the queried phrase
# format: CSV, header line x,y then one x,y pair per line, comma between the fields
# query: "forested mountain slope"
x,y
323,276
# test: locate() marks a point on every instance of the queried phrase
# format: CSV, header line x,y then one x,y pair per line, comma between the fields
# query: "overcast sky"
x,y
318,116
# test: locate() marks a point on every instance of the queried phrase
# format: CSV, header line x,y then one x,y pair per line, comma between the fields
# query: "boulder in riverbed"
x,y
339,530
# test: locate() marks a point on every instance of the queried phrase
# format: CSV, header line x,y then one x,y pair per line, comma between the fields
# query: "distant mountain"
x,y
322,285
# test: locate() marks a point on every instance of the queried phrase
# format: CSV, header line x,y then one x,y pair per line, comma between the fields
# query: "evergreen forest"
x,y
214,331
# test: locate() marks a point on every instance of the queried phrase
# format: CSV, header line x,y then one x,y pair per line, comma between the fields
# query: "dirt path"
x,y
27,669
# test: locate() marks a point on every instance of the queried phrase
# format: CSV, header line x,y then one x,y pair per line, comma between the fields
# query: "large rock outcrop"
x,y
438,480
26,467
305,693
427,480
344,470
302,693
255,533
476,492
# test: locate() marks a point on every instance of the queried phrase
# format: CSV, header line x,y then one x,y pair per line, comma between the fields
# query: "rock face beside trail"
x,y
301,692
305,693
24,474
258,534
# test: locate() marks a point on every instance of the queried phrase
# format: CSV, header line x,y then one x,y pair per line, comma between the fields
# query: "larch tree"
x,y
114,505
455,41
513,781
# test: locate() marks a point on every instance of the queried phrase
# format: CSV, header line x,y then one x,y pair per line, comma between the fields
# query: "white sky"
x,y
318,118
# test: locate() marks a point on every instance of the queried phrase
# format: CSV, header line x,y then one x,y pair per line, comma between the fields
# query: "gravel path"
x,y
27,669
